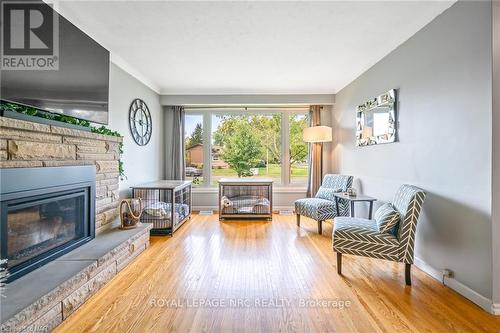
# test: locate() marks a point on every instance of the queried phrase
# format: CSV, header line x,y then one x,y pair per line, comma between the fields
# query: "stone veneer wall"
x,y
98,262
25,144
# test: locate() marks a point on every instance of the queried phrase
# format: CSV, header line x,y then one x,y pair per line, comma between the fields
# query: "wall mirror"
x,y
376,120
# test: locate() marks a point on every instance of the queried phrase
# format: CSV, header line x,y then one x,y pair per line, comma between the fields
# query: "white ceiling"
x,y
250,47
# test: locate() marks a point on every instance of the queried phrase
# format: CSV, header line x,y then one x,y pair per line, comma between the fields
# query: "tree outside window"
x,y
258,136
299,150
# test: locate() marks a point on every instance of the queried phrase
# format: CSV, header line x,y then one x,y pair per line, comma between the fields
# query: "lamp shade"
x,y
317,134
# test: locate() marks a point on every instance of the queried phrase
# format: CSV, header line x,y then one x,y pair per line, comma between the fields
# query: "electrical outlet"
x,y
446,273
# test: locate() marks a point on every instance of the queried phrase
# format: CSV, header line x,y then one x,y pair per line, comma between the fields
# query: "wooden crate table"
x,y
167,204
244,198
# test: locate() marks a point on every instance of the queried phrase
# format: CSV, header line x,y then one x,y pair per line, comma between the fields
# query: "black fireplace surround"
x,y
44,213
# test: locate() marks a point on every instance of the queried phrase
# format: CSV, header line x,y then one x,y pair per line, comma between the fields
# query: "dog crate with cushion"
x,y
167,204
245,198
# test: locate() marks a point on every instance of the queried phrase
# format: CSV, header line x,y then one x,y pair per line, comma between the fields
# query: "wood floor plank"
x,y
258,276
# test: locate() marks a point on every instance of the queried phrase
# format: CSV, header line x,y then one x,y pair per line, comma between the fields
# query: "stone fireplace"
x,y
25,144
48,223
46,212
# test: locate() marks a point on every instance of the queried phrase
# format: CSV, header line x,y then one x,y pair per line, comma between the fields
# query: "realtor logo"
x,y
30,36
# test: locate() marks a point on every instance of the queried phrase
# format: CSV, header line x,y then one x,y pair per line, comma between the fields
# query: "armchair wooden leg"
x,y
408,274
320,227
298,220
339,263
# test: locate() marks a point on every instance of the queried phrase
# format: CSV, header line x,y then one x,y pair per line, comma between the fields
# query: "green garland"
x,y
106,131
30,111
27,110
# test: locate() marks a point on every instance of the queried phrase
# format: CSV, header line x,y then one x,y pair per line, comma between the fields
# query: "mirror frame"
x,y
389,100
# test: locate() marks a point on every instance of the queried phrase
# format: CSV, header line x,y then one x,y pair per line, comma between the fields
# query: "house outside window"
x,y
194,151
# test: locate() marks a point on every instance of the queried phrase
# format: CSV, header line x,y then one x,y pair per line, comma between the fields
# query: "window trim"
x,y
285,142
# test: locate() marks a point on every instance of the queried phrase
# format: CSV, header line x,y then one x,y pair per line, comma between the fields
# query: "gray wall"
x,y
142,163
496,154
443,74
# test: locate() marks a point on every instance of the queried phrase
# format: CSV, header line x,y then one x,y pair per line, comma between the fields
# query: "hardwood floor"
x,y
194,281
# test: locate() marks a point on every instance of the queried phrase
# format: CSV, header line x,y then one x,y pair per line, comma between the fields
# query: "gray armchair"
x,y
362,237
322,207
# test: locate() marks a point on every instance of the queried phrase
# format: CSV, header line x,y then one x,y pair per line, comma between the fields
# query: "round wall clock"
x,y
140,122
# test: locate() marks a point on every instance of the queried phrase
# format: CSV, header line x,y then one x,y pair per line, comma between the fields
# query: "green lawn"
x,y
299,173
274,172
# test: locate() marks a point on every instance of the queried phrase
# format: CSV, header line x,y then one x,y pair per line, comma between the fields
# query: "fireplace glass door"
x,y
41,225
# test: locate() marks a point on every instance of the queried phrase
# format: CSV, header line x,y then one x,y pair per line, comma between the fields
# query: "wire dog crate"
x,y
167,204
245,198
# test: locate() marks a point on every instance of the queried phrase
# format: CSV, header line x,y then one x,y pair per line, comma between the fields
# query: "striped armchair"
x,y
362,237
322,207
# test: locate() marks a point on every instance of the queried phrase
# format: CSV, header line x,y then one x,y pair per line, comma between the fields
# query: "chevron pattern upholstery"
x,y
337,182
387,217
362,237
322,206
408,202
316,208
326,193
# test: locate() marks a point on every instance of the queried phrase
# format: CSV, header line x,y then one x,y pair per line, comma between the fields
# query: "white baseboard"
x,y
495,309
215,208
204,208
483,302
284,208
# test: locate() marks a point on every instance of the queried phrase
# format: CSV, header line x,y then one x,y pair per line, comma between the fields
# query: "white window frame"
x,y
285,141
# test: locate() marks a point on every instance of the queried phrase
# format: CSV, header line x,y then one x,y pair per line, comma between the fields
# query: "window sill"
x,y
276,189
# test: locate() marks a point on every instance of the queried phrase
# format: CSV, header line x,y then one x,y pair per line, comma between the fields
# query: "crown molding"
x,y
118,61
248,99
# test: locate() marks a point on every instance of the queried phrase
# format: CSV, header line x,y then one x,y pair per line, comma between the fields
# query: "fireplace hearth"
x,y
45,213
